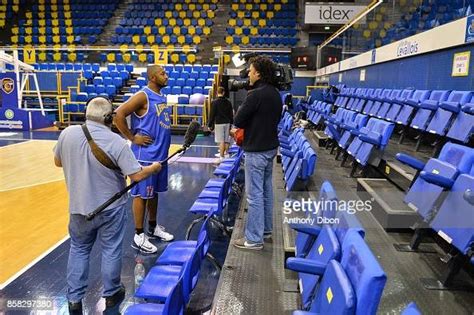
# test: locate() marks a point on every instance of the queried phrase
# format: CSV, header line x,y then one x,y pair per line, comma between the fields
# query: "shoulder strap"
x,y
99,154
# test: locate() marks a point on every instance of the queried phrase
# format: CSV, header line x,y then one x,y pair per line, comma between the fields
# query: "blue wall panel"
x,y
299,86
429,71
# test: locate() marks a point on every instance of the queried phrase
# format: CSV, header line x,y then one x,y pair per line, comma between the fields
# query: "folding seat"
x,y
176,90
111,90
89,88
359,103
98,81
99,89
423,194
462,127
351,130
201,82
117,82
423,105
398,102
188,90
353,286
180,82
371,99
378,101
447,112
141,81
209,82
387,100
82,97
198,90
108,81
111,67
357,142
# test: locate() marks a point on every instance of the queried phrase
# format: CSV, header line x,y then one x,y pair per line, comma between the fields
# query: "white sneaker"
x,y
217,154
141,242
161,233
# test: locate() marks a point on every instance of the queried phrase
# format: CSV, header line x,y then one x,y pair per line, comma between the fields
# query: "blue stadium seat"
x,y
463,126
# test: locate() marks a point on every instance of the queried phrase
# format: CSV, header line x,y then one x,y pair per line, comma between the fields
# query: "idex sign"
x,y
331,13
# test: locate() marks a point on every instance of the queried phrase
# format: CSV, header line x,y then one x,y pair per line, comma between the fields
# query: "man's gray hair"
x,y
97,109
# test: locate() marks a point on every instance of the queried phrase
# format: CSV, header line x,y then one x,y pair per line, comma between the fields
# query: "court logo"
x,y
8,85
9,114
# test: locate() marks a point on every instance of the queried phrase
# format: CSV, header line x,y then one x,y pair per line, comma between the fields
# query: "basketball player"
x,y
151,138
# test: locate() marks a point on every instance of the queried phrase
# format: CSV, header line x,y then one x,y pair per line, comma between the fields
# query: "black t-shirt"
x,y
221,112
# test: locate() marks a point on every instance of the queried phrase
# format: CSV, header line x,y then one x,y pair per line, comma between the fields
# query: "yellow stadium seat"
x,y
215,1
176,30
28,39
16,30
387,25
366,34
205,6
67,15
181,39
235,49
270,1
210,14
356,26
142,57
55,23
56,39
257,1
228,39
192,7
56,30
196,39
70,39
270,14
57,46
170,48
191,58
126,57
68,22
66,7
378,17
54,8
277,7
186,48
14,39
72,57
135,39
124,48
201,22
206,30
383,10
168,14
54,15
178,7
182,14
139,48
111,57
158,22
166,39
235,6
28,15
41,7
191,30
262,23
232,22
172,22
57,56
240,14
28,31
41,15
150,39
196,14
373,25
147,30
162,30
378,43
263,7
253,31
245,40
69,30
255,14
284,1
226,58
238,31
42,39
15,8
248,6
243,1
174,58
247,22
382,33
41,1
187,22
2,23
42,56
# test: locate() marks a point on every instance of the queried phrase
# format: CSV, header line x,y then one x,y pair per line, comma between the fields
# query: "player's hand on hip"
x,y
142,140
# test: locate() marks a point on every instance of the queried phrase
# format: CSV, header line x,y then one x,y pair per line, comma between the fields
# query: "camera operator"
x,y
259,115
92,181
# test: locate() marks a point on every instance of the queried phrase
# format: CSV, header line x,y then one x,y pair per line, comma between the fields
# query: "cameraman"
x,y
259,115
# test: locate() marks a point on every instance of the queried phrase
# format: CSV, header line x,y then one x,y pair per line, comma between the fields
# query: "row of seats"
x,y
159,39
441,113
146,57
171,7
298,158
162,29
143,22
337,271
261,31
169,14
442,193
261,41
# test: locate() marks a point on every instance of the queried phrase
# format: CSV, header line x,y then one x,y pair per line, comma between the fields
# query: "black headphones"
x,y
109,117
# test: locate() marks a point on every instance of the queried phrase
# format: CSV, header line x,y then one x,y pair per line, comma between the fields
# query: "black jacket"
x,y
221,112
259,115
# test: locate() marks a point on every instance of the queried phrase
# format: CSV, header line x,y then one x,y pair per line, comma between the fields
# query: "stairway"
x,y
118,98
218,34
109,29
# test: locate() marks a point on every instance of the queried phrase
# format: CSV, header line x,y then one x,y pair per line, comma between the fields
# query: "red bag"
x,y
239,136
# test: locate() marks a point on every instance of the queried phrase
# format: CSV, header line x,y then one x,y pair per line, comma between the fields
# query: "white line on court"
x,y
35,184
31,264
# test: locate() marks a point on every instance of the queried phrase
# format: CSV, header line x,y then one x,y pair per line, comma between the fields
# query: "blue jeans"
x,y
259,190
109,227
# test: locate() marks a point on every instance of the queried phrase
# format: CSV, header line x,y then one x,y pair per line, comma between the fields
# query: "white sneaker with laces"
x,y
162,234
141,242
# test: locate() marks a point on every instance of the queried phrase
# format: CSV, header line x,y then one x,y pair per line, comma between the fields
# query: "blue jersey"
x,y
155,123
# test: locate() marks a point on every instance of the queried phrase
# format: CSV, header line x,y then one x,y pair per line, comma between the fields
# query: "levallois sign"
x,y
325,13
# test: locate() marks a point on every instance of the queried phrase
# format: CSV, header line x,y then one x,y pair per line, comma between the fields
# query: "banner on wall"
x,y
161,56
461,64
469,29
324,13
8,90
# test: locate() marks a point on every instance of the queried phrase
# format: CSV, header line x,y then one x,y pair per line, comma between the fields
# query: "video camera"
x,y
282,79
